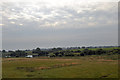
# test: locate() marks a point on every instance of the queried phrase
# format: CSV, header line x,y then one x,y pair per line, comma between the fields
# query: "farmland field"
x,y
105,66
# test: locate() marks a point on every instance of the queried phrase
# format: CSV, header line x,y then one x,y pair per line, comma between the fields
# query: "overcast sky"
x,y
59,23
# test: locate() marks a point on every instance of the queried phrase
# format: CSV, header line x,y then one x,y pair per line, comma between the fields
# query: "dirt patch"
x,y
55,59
43,68
34,59
27,69
13,59
109,61
56,66
106,60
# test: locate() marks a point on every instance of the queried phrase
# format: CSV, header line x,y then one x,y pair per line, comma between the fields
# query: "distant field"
x,y
75,67
111,48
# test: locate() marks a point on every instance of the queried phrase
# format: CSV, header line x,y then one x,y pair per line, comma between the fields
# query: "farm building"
x,y
7,56
29,56
32,55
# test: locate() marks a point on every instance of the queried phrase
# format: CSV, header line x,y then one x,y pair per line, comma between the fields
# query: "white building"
x,y
7,56
29,56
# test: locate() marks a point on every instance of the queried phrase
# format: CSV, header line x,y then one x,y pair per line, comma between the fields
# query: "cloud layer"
x,y
52,23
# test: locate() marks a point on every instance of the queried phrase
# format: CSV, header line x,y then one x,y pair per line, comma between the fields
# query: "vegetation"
x,y
52,63
59,52
95,66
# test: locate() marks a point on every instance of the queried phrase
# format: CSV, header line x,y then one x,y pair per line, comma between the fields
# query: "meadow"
x,y
93,66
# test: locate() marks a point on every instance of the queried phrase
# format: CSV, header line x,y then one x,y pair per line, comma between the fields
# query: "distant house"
x,y
29,56
7,56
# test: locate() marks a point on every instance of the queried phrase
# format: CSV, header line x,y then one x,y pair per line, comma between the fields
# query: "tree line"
x,y
59,52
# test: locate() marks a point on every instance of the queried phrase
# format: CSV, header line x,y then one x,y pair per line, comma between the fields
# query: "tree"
x,y
78,47
82,54
3,51
100,51
56,53
54,49
51,55
38,49
13,54
59,48
60,55
20,53
10,51
83,47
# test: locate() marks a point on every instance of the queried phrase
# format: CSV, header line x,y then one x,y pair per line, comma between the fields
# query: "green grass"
x,y
86,67
29,52
111,48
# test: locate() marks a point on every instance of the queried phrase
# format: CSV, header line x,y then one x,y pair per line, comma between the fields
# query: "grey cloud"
x,y
35,32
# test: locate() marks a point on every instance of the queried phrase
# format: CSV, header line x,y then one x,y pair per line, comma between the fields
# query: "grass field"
x,y
75,67
111,48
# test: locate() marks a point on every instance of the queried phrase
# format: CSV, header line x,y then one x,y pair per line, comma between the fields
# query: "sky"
x,y
58,23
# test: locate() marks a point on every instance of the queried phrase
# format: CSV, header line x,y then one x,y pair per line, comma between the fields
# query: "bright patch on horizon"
x,y
12,22
20,24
